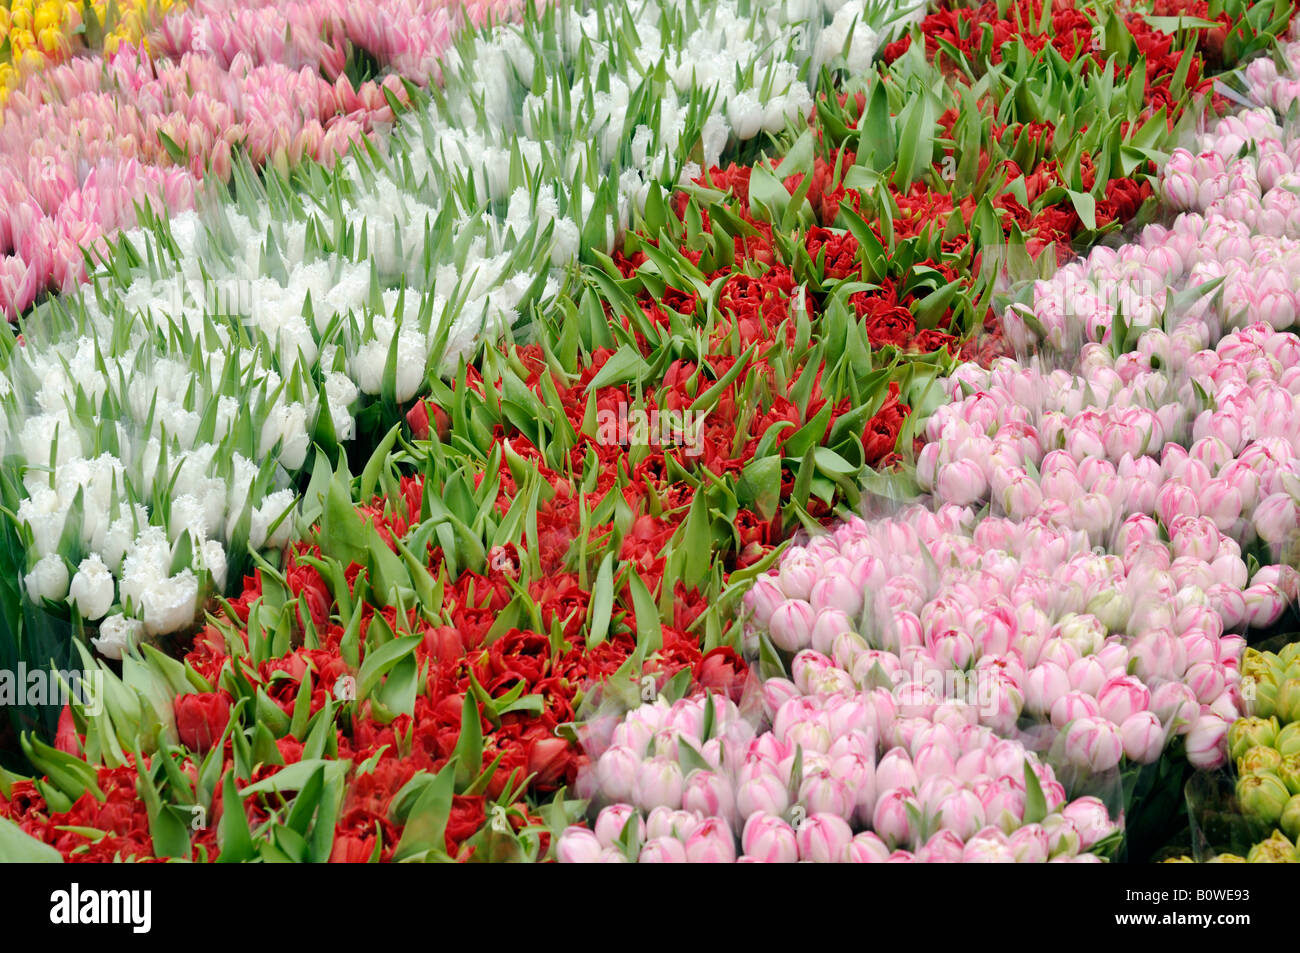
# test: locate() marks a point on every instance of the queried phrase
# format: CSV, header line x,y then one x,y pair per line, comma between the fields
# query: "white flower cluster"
x,y
179,394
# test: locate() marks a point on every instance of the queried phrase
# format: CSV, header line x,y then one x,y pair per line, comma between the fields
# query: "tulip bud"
x,y
1093,743
1206,742
1143,737
1259,760
791,625
711,843
658,783
1262,796
577,845
770,840
1290,820
1247,733
612,820
1287,702
866,848
662,850
1275,850
892,818
823,838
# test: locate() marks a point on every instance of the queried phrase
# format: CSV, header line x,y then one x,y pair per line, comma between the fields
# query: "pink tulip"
x,y
823,838
577,845
1093,743
663,850
769,840
711,843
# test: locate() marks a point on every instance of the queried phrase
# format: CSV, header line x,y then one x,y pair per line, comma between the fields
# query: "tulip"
x,y
763,794
944,847
1288,772
663,850
1093,744
577,845
711,843
892,818
612,821
710,794
791,625
823,793
658,783
1143,737
1290,819
866,848
666,822
1262,796
1275,850
1090,818
1288,739
1259,760
1029,844
769,839
1287,701
962,813
1206,742
823,838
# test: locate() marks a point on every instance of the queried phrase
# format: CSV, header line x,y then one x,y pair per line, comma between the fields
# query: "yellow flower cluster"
x,y
34,33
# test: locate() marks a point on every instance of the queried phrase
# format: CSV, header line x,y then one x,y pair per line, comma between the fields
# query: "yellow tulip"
x,y
22,17
21,41
47,15
53,41
32,59
4,21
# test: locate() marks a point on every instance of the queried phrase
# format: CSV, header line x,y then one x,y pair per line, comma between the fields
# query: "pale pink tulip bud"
x,y
1276,519
612,820
1062,837
668,822
837,592
769,839
823,838
1029,844
962,482
776,692
892,818
1044,684
711,843
662,850
830,623
1158,654
577,845
823,793
807,668
895,770
1090,818
1087,675
1206,680
616,772
1121,697
764,598
1285,578
791,625
710,794
798,574
944,847
988,850
1174,500
1093,743
1206,742
763,793
658,783
1004,803
1143,737
1072,706
866,848
1264,605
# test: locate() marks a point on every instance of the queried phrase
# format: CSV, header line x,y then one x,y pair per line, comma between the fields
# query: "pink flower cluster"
x,y
83,142
407,37
839,776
